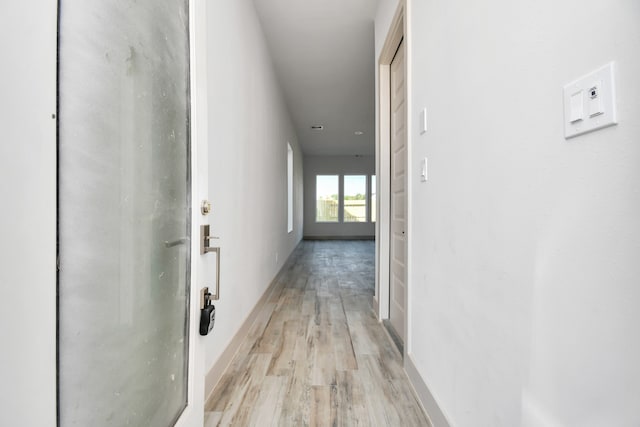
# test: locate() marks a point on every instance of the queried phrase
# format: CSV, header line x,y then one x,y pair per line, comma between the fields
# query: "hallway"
x,y
317,355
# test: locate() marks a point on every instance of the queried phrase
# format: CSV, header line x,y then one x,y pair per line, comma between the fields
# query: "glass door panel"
x,y
124,216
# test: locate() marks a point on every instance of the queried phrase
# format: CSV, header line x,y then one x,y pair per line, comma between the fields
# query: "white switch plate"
x,y
423,121
590,102
423,170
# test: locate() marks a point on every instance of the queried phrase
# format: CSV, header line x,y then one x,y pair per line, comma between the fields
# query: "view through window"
x,y
355,198
327,189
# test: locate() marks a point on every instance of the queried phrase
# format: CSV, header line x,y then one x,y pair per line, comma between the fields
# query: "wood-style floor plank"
x,y
316,355
321,413
351,400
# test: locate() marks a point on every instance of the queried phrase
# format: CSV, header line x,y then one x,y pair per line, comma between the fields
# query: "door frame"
x,y
193,414
28,220
398,32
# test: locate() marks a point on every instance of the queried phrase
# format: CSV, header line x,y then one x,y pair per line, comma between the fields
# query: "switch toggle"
x,y
596,106
577,104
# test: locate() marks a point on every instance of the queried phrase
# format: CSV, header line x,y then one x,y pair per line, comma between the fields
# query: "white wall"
x,y
525,246
384,16
28,215
249,127
333,165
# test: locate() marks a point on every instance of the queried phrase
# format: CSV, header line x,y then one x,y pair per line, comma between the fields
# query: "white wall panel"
x,y
249,127
524,281
28,214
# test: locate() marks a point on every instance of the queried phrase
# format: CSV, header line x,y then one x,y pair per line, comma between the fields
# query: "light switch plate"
x,y
590,102
423,121
423,170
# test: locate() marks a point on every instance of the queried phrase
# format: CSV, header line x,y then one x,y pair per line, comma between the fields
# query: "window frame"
x,y
373,208
370,206
290,160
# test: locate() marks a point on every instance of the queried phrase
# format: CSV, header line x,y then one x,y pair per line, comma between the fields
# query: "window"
x,y
346,198
355,198
289,188
373,198
327,198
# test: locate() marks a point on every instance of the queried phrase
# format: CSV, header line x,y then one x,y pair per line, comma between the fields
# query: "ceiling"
x,y
323,53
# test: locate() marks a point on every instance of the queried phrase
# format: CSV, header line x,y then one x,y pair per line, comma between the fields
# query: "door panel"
x,y
398,190
124,212
399,203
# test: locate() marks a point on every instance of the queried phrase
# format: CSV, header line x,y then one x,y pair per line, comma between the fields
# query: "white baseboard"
x,y
359,237
428,402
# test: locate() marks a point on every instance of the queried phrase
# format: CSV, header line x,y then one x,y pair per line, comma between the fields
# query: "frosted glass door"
x,y
124,216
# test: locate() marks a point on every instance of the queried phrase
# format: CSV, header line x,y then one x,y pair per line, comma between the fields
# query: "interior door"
x,y
397,250
125,332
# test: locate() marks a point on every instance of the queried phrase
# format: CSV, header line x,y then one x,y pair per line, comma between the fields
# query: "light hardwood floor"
x,y
316,355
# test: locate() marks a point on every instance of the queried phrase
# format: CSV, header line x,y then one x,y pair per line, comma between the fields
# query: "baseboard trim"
x,y
220,366
394,336
425,397
339,237
376,307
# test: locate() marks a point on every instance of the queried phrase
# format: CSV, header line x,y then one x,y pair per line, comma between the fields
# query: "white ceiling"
x,y
323,53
